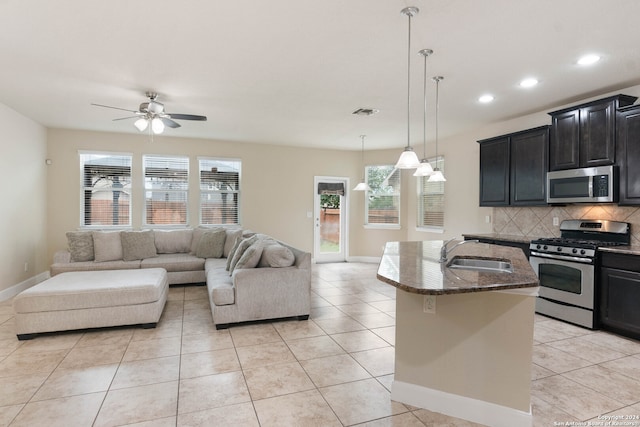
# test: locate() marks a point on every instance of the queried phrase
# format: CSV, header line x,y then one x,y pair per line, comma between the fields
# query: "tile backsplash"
x,y
538,221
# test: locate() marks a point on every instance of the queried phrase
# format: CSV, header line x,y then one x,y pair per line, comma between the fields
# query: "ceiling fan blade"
x,y
187,117
115,108
168,122
126,118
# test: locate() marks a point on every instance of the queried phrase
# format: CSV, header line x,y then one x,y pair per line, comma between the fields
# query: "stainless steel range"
x,y
566,268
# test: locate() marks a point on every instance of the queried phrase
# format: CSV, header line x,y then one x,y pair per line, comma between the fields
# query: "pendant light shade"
x,y
425,168
362,186
437,175
408,158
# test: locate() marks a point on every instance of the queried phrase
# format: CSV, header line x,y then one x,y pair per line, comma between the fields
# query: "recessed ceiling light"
x,y
486,98
588,59
529,82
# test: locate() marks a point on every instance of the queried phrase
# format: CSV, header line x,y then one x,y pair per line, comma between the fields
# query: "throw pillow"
x,y
251,255
233,250
80,246
197,234
211,244
173,241
232,235
138,245
107,246
243,246
276,255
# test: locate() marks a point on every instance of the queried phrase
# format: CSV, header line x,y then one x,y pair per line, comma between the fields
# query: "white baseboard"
x,y
367,259
16,289
453,405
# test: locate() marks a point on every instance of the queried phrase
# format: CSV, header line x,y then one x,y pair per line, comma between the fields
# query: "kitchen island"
x,y
464,337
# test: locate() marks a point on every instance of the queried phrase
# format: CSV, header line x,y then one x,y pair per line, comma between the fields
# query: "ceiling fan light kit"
x,y
152,113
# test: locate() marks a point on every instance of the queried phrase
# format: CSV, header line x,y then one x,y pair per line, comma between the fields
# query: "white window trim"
x,y
428,229
81,192
144,223
239,192
367,225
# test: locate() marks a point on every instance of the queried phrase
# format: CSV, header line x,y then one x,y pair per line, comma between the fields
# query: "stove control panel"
x,y
564,250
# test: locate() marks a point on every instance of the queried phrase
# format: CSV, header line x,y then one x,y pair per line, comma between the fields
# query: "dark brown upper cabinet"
x,y
585,135
628,140
513,168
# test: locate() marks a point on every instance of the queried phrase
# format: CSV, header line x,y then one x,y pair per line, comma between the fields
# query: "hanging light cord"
x,y
362,138
437,80
424,121
409,14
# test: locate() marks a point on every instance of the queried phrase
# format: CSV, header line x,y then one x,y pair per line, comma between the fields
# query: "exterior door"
x,y
330,213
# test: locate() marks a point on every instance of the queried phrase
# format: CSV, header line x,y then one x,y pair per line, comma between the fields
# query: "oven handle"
x,y
562,257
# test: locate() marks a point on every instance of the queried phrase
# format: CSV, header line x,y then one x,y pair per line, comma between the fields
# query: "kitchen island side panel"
x,y
477,345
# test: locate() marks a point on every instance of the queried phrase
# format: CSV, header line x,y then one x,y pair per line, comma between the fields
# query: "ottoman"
x,y
91,299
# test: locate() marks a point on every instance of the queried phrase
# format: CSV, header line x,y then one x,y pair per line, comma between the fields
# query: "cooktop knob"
x,y
575,251
582,251
559,249
545,247
538,246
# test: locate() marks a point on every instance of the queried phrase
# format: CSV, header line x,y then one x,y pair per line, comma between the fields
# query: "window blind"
x,y
431,199
219,191
166,183
106,189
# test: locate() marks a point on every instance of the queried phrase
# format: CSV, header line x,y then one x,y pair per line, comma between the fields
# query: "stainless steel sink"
x,y
487,265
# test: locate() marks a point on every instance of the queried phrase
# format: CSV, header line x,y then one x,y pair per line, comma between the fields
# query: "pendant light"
x,y
437,175
425,168
408,159
363,186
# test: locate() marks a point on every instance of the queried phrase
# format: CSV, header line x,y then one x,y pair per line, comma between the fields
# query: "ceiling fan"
x,y
152,113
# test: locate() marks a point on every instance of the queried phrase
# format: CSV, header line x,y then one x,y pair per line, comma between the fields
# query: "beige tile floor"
x,y
335,369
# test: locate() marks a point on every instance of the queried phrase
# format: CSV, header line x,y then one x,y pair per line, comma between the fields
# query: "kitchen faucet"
x,y
444,251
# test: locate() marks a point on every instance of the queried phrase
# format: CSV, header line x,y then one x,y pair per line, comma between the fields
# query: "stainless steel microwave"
x,y
585,185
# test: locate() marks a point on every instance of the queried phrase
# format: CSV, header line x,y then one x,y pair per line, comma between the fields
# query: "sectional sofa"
x,y
248,276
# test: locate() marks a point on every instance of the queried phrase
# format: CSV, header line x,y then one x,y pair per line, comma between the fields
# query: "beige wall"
x,y
276,187
24,202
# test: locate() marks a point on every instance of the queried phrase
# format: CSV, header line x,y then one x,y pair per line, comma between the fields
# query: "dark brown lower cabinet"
x,y
620,294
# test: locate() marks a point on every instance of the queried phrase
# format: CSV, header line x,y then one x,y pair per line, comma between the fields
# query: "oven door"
x,y
568,282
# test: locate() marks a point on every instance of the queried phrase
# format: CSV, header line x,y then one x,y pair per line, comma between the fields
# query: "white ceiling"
x,y
292,71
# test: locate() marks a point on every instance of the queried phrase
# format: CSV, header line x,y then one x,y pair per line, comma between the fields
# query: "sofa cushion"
x,y
173,241
215,263
251,255
220,285
93,289
211,244
138,245
276,255
80,245
107,246
242,247
58,268
174,262
232,235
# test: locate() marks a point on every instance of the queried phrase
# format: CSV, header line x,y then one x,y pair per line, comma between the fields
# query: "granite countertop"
x,y
502,237
414,267
628,250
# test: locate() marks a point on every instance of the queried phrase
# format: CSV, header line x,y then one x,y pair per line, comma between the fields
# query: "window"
x,y
166,183
106,189
431,199
383,200
219,191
